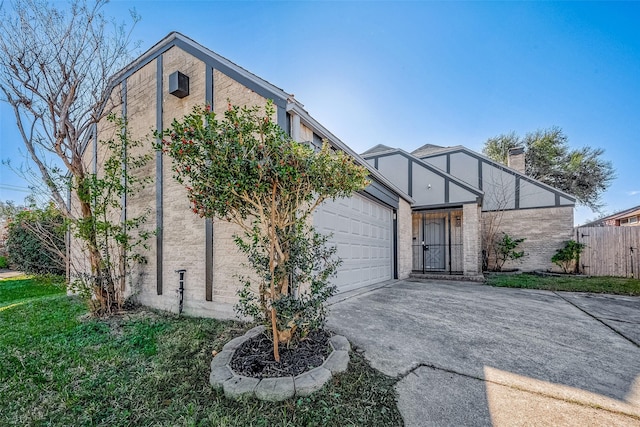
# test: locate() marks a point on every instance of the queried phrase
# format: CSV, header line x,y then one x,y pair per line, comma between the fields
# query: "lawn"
x,y
609,285
60,367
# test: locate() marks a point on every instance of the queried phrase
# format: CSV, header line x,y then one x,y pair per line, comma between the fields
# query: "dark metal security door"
x,y
433,249
437,241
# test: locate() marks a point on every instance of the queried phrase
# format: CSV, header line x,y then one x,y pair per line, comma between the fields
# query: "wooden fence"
x,y
610,251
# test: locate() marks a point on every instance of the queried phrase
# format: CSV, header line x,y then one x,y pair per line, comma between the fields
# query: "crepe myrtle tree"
x,y
243,168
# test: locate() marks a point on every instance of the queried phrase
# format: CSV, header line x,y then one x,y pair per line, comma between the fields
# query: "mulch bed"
x,y
254,358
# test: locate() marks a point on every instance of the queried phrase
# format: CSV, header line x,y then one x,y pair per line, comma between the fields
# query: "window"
x,y
633,220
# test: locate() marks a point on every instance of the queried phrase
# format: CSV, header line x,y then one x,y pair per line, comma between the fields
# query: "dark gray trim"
x,y
395,244
440,206
283,119
448,160
208,223
449,244
317,140
381,194
289,128
159,178
336,144
231,72
480,174
446,191
517,194
375,163
502,168
410,180
208,265
249,80
558,200
431,168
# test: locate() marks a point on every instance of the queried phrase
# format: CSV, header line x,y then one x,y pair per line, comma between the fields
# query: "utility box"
x,y
178,84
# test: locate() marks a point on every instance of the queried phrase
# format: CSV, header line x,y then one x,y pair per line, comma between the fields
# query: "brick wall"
x,y
471,239
545,230
404,240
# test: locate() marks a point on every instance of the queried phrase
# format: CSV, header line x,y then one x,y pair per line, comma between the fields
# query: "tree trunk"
x,y
272,280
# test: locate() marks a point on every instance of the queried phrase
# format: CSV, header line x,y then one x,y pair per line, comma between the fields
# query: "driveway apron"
x,y
469,354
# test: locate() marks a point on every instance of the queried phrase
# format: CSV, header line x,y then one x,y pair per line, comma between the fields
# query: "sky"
x,y
405,73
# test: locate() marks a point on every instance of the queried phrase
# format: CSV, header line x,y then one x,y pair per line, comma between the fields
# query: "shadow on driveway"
x,y
471,354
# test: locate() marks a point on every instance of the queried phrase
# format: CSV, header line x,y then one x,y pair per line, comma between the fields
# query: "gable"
x,y
426,184
503,187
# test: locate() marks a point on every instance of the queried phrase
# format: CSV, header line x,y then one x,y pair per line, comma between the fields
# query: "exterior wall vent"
x,y
179,84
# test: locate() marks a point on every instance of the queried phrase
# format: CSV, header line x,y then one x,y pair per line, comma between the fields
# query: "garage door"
x,y
362,232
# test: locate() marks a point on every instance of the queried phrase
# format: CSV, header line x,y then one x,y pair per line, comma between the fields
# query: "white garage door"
x,y
362,232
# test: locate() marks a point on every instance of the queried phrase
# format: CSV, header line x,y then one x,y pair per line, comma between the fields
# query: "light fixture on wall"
x,y
429,187
179,84
458,221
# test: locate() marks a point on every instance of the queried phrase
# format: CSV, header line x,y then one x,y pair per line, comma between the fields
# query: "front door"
x,y
429,244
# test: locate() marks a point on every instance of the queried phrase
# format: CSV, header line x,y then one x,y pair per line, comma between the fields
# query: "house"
x,y
371,229
626,218
439,196
451,184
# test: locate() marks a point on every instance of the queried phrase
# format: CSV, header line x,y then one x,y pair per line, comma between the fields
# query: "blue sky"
x,y
409,73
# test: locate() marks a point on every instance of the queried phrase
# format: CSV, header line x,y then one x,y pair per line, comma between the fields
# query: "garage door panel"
x,y
362,232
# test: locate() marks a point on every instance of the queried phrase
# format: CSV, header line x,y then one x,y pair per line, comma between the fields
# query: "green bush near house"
x,y
3,262
59,367
567,257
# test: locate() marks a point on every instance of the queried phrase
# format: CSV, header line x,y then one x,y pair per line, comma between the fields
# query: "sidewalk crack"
x,y
598,319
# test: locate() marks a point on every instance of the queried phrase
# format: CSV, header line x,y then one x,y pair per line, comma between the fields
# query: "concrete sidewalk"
x,y
5,274
470,354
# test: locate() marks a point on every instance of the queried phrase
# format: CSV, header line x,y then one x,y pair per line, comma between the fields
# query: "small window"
x,y
624,221
633,220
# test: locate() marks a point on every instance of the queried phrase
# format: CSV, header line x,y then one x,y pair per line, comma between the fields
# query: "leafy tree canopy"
x,y
580,172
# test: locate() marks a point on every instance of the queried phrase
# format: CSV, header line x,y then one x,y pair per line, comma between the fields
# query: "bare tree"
x,y
56,61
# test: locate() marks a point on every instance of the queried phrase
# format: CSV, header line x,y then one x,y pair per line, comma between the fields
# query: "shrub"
x,y
568,256
506,250
35,241
3,262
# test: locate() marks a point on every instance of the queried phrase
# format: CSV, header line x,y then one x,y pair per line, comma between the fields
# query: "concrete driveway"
x,y
470,354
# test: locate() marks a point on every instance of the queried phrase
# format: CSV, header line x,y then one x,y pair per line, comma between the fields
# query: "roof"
x,y
377,149
626,213
617,215
427,149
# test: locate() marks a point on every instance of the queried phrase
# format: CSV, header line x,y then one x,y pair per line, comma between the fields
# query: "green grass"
x,y
25,287
609,285
58,367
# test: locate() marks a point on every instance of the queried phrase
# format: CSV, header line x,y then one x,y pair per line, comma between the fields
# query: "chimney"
x,y
515,160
